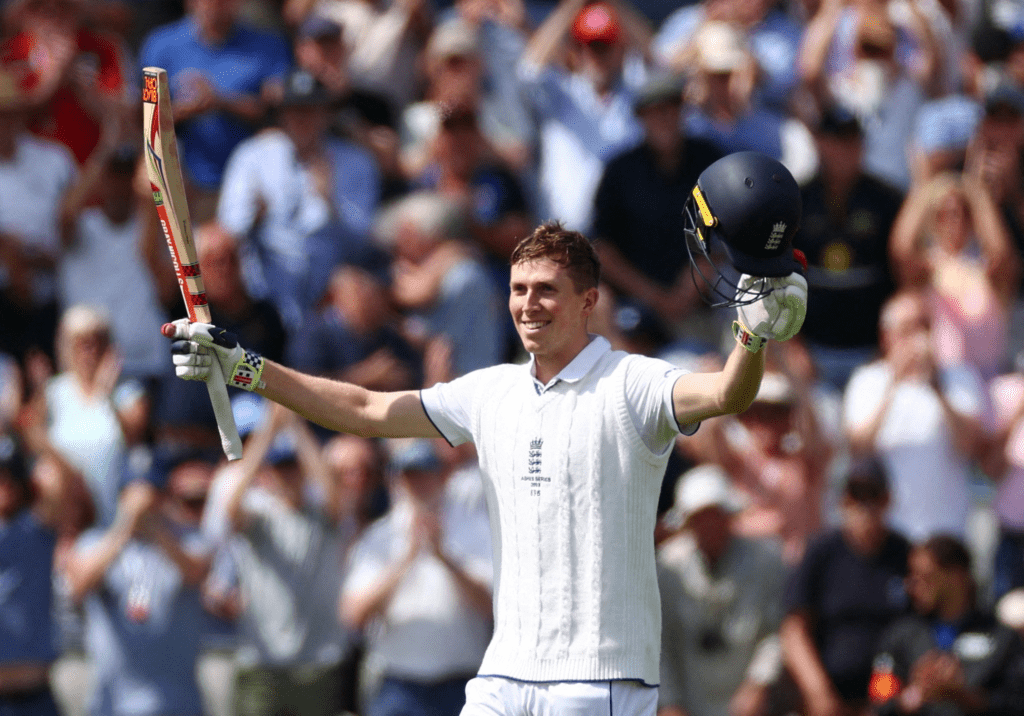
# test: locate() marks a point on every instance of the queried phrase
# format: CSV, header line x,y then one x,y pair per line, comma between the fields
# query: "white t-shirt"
x,y
428,632
929,477
32,186
108,251
572,472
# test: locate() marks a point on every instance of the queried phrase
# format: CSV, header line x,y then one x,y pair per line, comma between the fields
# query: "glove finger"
x,y
192,373
186,347
181,328
192,359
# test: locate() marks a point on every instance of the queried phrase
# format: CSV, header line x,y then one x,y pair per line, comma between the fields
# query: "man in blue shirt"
x,y
218,68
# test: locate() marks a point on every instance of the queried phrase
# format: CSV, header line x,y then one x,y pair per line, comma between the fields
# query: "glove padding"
x,y
779,314
198,344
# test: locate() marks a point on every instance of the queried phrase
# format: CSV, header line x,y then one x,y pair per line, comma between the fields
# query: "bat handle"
x,y
229,439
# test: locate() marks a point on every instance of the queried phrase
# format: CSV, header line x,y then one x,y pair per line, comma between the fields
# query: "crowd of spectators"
x,y
358,172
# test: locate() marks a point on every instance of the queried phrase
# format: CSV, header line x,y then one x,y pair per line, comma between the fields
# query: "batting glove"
x,y
198,344
777,316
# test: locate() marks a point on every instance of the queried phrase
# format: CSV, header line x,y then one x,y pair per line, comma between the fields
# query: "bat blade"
x,y
164,170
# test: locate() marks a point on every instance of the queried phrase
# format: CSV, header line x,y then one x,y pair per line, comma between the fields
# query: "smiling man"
x,y
572,448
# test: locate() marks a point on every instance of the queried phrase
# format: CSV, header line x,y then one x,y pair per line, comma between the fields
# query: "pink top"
x,y
1007,393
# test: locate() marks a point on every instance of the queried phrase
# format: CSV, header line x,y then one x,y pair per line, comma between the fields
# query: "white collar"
x,y
579,366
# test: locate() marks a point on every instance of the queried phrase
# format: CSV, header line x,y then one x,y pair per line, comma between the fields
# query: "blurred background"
x,y
358,173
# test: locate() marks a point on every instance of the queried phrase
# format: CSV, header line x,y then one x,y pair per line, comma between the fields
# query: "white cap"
x,y
720,47
701,487
1010,609
775,389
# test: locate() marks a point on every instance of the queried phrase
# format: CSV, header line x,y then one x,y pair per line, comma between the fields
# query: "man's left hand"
x,y
779,314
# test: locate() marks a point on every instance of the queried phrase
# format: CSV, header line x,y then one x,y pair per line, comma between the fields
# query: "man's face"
x,y
550,315
661,124
926,582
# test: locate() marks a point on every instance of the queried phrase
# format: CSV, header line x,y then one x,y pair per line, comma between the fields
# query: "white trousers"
x,y
496,696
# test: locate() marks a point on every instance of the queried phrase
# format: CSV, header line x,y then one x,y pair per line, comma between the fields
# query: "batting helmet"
x,y
749,204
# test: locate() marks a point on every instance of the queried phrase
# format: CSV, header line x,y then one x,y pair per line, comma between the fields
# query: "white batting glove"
x,y
198,344
776,316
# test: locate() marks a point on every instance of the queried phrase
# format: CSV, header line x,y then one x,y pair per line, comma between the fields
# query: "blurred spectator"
x,y
462,167
103,235
883,72
183,414
921,419
470,66
996,157
356,337
721,597
282,511
35,174
29,520
844,232
723,108
357,465
582,97
81,77
139,577
86,417
950,239
218,67
437,274
1003,462
778,456
772,35
426,649
384,39
950,656
845,592
299,198
637,217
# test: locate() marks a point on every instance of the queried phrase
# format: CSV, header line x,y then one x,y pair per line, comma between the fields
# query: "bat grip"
x,y
229,438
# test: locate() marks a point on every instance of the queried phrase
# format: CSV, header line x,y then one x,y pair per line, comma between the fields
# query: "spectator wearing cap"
x,y
778,456
437,274
356,336
383,40
722,106
846,590
280,507
35,176
218,67
882,70
844,232
426,649
299,199
951,241
721,597
636,208
138,578
772,34
922,420
949,656
470,65
103,234
585,114
30,517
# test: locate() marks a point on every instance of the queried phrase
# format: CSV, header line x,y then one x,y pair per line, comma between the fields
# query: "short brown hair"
x,y
569,249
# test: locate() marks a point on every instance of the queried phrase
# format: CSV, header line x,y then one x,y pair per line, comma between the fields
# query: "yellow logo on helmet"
x,y
702,206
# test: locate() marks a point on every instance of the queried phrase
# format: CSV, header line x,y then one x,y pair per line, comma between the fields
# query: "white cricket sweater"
x,y
572,492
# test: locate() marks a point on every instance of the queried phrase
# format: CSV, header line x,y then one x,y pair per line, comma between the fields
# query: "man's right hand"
x,y
198,344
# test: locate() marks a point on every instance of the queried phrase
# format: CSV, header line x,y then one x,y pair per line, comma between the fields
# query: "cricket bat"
x,y
165,179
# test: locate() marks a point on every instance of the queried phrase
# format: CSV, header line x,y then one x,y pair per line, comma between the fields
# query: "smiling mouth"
x,y
534,325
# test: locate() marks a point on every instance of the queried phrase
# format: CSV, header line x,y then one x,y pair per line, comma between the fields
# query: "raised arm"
x,y
336,405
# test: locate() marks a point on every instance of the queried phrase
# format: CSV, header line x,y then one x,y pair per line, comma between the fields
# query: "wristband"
x,y
745,338
248,372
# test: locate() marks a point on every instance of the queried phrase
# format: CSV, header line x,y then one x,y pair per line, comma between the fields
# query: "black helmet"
x,y
750,204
